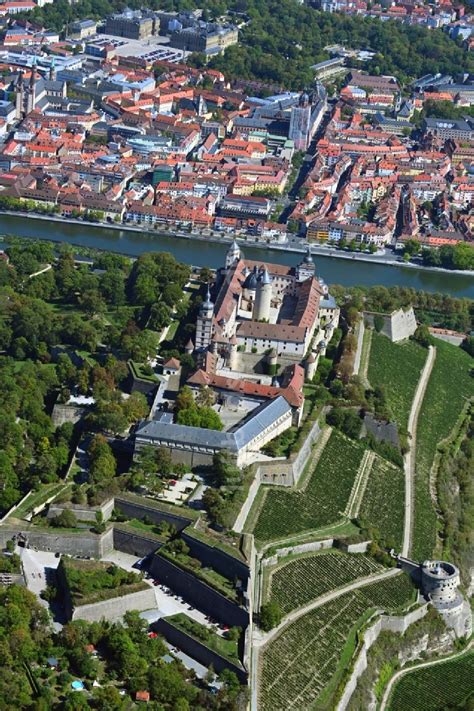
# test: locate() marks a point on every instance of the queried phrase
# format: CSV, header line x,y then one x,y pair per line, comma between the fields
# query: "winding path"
x,y
402,672
409,462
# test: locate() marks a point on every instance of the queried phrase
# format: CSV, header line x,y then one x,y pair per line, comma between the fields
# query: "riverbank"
x,y
203,252
294,245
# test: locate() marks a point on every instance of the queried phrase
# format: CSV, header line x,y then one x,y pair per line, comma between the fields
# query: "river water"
x,y
333,270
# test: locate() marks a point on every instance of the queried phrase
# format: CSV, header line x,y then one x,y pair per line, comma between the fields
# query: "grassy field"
x,y
446,685
305,578
396,367
322,502
449,386
314,650
383,503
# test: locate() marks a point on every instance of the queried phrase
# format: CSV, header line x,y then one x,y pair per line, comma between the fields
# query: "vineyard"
x,y
324,499
442,686
304,579
397,368
302,660
383,504
449,386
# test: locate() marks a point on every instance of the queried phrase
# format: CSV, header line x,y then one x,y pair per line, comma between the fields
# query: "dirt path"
x,y
410,457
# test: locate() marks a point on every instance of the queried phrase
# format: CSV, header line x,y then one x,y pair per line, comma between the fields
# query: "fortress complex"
x,y
254,346
261,307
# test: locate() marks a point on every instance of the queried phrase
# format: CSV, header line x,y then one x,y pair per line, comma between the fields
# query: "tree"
x,y
184,399
379,322
164,462
411,247
468,345
423,336
66,519
215,506
225,470
270,615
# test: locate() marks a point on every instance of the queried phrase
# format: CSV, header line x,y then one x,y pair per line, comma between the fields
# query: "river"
x,y
333,270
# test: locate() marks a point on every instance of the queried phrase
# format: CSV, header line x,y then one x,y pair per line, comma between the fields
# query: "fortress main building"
x,y
261,307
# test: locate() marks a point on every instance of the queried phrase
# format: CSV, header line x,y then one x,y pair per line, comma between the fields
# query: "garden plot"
x,y
322,502
301,661
383,503
296,583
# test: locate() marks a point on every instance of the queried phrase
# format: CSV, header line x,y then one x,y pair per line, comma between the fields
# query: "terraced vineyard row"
x,y
397,368
437,687
448,388
383,504
304,579
301,661
324,499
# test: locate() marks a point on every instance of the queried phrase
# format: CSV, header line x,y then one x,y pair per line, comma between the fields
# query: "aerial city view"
x,y
237,355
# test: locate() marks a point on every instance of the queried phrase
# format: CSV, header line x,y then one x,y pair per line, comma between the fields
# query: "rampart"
x,y
198,593
398,326
138,544
384,623
197,650
83,513
77,543
225,563
132,507
115,608
279,473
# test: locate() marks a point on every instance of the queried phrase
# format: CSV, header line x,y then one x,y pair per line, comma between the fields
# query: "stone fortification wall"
x,y
85,543
385,623
398,326
279,473
134,543
83,513
134,509
223,562
115,608
197,650
198,593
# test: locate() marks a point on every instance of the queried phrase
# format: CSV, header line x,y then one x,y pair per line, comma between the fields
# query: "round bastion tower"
x,y
263,297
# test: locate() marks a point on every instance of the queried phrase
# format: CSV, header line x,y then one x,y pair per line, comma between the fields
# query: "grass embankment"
x,y
449,387
396,367
285,513
435,688
226,648
207,575
91,581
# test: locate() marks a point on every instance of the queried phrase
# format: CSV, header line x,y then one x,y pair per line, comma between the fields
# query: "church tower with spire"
x,y
204,323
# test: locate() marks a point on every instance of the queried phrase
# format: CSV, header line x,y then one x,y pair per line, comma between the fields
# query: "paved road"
x,y
38,567
402,672
409,462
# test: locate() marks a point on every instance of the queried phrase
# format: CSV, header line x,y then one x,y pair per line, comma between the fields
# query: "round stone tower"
x,y
310,366
263,296
439,581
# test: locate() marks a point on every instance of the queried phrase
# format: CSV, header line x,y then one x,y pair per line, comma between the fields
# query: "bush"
x,y
270,615
66,519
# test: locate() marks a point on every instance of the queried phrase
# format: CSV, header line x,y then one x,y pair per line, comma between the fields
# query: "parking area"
x,y
39,568
167,602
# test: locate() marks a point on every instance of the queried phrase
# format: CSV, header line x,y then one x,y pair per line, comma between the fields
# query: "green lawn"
x,y
37,498
289,512
396,367
449,387
442,686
